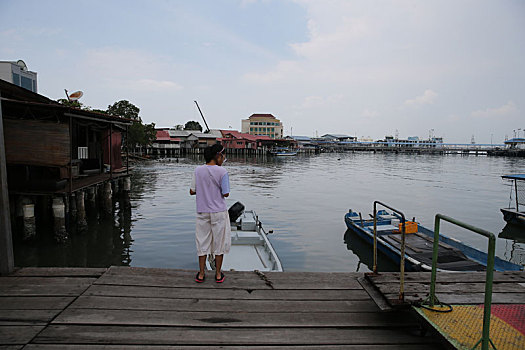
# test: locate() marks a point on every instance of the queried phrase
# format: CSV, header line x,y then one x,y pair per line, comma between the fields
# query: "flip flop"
x,y
199,280
220,280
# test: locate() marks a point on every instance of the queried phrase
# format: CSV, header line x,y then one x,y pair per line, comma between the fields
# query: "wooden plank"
x,y
26,317
137,335
34,303
7,259
233,347
178,282
11,347
233,319
280,280
59,272
472,298
374,293
18,334
41,286
236,294
499,277
456,288
296,306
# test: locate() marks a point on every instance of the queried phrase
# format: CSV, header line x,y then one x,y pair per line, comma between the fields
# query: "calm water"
x,y
303,199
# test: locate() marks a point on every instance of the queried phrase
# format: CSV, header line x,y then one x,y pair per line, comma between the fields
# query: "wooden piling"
x,y
7,260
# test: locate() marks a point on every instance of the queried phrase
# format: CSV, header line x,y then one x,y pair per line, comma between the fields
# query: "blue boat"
x,y
514,215
453,255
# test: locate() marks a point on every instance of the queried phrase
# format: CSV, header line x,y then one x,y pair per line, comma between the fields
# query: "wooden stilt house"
x,y
51,148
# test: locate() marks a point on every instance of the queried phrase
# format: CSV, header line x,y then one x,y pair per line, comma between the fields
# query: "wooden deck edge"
x,y
373,292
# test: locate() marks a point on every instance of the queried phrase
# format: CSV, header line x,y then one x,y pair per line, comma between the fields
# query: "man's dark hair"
x,y
211,151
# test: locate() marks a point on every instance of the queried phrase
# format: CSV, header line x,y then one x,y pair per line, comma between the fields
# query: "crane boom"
x,y
202,115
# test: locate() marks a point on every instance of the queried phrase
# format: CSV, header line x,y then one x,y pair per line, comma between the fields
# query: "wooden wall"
x,y
35,142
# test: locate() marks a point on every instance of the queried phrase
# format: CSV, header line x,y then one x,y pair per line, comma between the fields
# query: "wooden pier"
x,y
132,308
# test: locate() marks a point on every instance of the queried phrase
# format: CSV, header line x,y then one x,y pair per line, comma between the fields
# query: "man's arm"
x,y
225,185
192,186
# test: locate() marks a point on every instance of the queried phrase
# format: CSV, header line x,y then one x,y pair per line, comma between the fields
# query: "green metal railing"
x,y
402,263
432,299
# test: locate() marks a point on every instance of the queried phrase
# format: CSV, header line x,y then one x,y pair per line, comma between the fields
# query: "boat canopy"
x,y
514,177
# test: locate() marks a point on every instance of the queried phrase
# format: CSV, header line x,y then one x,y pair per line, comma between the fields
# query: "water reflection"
x,y
107,241
515,243
364,251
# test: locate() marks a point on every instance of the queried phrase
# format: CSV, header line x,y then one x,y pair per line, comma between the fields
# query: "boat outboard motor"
x,y
235,211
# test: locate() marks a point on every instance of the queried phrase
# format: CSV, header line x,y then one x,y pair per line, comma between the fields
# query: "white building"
x,y
18,74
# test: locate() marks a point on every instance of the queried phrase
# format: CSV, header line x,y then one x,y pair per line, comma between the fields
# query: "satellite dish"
x,y
76,95
22,65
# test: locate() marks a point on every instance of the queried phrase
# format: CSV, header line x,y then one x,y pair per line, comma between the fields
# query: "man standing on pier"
x,y
211,185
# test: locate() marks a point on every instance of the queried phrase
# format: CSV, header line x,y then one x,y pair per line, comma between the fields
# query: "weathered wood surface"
x,y
453,288
59,272
134,308
12,335
222,305
43,286
224,293
233,319
34,303
233,347
221,335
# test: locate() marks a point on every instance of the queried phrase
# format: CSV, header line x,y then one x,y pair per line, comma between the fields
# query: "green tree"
x,y
125,109
192,125
68,103
139,134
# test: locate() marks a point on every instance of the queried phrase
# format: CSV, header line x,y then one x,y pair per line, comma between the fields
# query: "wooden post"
x,y
7,261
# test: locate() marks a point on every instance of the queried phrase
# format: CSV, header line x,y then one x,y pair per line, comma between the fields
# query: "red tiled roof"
x,y
261,115
163,135
239,135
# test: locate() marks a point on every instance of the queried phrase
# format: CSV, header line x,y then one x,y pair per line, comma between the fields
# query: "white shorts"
x,y
213,233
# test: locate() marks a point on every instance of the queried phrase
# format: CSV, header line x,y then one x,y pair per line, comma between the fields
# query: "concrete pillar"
x,y
59,216
29,231
81,211
126,188
107,200
72,208
91,201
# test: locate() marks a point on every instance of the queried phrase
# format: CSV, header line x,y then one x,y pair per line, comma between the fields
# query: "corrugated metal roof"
x,y
516,140
202,135
178,133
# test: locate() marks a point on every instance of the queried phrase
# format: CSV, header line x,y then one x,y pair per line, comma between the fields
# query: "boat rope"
x,y
264,278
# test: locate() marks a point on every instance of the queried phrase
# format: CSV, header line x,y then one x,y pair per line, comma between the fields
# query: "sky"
x,y
447,68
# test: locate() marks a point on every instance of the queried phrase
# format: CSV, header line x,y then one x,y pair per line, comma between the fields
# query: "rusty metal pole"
x,y
7,260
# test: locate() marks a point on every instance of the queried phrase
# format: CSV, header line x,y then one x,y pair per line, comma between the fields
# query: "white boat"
x,y
250,249
282,151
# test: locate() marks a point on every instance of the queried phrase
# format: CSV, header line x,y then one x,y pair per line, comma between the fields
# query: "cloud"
x,y
428,97
368,113
130,69
151,84
310,102
507,109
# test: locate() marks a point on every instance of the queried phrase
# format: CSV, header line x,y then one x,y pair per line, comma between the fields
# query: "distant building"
x,y
18,74
263,125
339,138
515,143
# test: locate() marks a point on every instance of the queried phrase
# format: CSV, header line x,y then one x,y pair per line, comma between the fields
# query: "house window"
x,y
26,83
16,79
